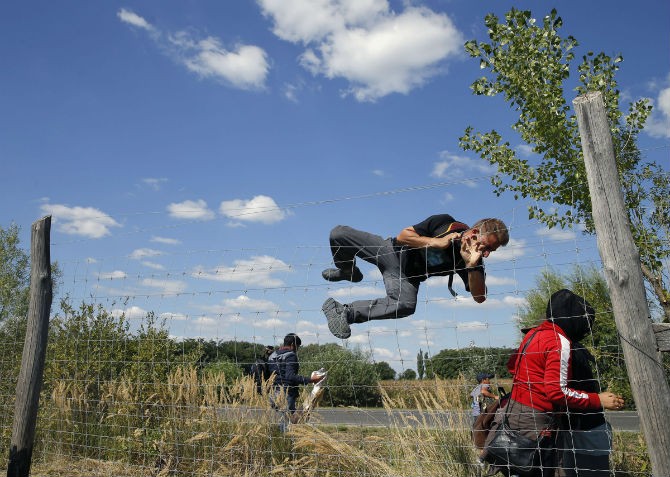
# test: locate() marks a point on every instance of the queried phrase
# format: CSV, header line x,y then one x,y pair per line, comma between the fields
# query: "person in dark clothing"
x,y
438,246
585,438
260,369
542,371
283,362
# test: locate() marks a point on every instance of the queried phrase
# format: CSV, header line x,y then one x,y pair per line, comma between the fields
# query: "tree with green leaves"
x,y
467,362
529,64
407,375
14,275
419,363
428,366
352,380
384,371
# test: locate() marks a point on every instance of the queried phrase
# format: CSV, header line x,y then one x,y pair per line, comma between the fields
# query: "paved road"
x,y
620,421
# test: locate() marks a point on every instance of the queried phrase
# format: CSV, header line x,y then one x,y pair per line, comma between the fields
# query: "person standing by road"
x,y
481,394
284,363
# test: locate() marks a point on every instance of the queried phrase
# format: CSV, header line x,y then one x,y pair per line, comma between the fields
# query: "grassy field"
x,y
174,428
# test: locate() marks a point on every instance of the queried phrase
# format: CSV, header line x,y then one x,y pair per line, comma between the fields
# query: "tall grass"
x,y
193,423
196,423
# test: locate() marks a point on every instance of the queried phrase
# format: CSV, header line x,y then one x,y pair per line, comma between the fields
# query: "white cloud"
x,y
86,221
514,249
257,270
291,92
115,275
377,50
356,291
144,252
245,303
524,150
463,301
472,326
306,325
165,287
269,323
658,125
131,313
454,167
205,321
154,183
165,240
259,313
131,18
173,316
495,280
261,209
514,301
359,339
155,266
190,209
305,21
556,234
242,66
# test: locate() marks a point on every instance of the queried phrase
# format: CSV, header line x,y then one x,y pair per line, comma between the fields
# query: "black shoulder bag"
x,y
509,448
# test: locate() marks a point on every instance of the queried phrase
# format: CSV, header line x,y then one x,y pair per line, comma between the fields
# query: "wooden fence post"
x,y
34,350
621,261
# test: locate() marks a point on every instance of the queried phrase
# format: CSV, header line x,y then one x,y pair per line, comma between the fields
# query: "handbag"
x,y
510,449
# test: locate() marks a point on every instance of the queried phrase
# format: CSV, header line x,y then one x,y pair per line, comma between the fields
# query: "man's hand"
x,y
611,401
471,251
316,377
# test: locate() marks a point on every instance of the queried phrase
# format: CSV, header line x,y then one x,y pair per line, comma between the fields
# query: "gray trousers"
x,y
346,244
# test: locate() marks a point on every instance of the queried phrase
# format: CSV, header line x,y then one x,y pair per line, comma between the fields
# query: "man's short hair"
x,y
493,226
292,339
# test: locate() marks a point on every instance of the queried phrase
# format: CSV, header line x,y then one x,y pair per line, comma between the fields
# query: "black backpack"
x,y
415,262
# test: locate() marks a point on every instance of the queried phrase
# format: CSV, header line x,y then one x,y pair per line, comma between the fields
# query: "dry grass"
x,y
195,424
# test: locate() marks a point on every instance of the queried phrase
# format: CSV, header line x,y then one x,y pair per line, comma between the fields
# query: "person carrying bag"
x,y
542,371
515,451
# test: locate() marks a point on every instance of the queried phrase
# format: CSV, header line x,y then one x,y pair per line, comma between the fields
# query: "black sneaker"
x,y
336,313
336,275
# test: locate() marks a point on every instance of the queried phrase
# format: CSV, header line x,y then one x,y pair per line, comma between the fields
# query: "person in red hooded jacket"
x,y
541,371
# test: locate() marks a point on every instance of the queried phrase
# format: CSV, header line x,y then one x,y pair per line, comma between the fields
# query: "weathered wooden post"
x,y
623,274
34,350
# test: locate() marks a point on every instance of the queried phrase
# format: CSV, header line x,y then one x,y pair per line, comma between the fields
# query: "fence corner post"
x,y
30,379
623,273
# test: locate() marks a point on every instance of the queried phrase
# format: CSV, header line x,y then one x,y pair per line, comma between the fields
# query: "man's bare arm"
x,y
408,236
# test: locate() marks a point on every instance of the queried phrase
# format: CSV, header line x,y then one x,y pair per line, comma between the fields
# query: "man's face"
x,y
487,243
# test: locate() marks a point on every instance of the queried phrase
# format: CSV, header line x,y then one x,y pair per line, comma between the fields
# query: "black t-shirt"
x,y
425,262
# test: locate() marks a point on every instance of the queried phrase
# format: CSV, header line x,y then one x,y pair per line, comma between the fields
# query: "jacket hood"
x,y
572,313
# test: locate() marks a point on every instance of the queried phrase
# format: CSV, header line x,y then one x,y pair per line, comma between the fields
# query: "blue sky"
x,y
195,155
